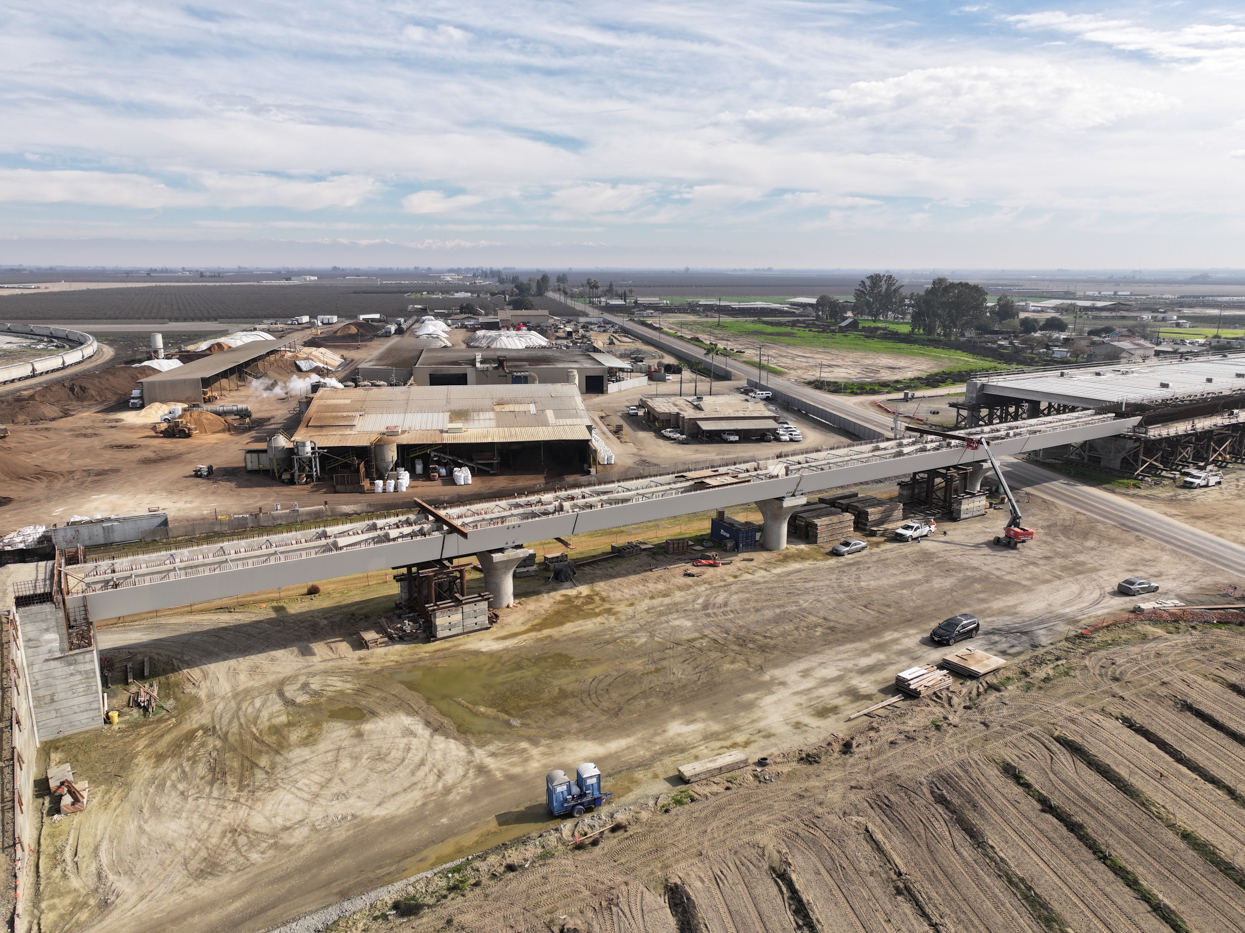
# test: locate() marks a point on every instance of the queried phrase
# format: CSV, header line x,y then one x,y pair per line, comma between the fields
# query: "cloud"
x,y
435,202
437,36
1222,43
127,190
947,99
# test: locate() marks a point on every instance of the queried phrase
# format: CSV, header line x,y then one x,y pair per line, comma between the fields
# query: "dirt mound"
x,y
279,366
15,468
205,422
61,399
358,328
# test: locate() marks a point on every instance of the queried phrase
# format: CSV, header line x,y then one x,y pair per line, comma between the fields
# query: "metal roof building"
x,y
218,372
1115,385
492,428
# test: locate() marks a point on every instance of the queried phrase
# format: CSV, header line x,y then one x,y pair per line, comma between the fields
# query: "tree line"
x,y
944,309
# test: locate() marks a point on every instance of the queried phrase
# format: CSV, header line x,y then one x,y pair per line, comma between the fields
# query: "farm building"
x,y
491,429
216,373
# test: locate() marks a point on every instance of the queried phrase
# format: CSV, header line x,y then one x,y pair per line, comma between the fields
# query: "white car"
x,y
730,437
790,434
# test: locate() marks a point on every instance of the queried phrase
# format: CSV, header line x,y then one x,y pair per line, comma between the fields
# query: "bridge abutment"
x,y
498,567
775,513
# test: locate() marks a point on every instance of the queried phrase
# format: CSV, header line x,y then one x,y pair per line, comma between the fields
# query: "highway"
x,y
691,351
1118,511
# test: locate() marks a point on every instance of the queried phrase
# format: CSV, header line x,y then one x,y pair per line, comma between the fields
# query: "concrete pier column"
x,y
1033,409
775,513
976,475
498,567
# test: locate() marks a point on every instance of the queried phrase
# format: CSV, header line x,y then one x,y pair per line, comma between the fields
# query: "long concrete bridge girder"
x,y
182,585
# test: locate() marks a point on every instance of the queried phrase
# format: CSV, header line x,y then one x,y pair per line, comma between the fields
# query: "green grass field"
x,y
841,343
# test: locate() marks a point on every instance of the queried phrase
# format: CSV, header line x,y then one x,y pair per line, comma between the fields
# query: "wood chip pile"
x,y
921,681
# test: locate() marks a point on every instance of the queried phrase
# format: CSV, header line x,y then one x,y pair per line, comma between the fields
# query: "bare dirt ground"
x,y
296,769
1092,789
1214,509
801,364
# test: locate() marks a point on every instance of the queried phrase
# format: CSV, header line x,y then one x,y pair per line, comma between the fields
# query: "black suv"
x,y
954,629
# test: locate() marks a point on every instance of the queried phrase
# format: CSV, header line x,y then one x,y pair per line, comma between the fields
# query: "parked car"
x,y
793,435
767,437
633,410
850,546
956,628
762,394
1135,586
730,437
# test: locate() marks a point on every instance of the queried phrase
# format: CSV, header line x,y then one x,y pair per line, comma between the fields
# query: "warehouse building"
x,y
591,373
490,429
214,374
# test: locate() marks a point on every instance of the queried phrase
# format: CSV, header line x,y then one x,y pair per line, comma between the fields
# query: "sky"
x,y
786,134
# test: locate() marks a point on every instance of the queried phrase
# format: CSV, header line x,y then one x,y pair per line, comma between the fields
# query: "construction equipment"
x,y
178,427
4,431
565,796
204,470
1015,534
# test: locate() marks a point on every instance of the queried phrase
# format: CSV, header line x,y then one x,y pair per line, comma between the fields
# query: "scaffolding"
x,y
433,596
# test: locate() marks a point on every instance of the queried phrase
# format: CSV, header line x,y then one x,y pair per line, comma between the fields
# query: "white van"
x,y
762,394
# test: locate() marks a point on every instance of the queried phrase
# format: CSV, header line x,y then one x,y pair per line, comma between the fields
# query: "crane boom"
x,y
1007,491
1014,534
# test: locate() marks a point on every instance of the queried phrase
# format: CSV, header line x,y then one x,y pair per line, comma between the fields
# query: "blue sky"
x,y
786,134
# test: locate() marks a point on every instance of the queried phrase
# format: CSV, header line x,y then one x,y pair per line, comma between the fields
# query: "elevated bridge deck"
x,y
148,582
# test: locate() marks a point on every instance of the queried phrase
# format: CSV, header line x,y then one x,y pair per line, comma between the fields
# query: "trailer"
x,y
574,798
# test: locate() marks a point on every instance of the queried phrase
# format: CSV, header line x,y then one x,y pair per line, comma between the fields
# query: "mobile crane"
x,y
1015,534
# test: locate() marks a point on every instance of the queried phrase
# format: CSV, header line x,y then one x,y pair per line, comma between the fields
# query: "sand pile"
x,y
62,399
149,415
14,468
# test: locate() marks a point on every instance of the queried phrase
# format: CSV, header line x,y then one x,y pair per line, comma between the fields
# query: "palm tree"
x,y
710,352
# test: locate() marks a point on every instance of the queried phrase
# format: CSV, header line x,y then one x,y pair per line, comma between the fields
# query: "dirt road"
x,y
297,769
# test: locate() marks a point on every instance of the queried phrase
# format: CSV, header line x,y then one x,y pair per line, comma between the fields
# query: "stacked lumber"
x,y
711,767
677,545
373,639
826,529
871,511
969,662
921,681
839,500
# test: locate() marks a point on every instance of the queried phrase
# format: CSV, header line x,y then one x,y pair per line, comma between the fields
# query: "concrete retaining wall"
x,y
119,530
65,687
635,383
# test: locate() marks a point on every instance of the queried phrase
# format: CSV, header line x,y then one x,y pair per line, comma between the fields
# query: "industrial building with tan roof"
x,y
494,428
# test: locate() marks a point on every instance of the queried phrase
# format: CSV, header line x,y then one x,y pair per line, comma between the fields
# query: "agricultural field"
x,y
807,355
1094,788
164,303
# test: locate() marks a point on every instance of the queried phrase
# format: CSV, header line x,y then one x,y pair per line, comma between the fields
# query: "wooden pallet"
x,y
712,767
969,662
372,639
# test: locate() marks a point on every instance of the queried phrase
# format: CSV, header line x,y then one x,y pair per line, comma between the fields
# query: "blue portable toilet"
x,y
558,790
589,780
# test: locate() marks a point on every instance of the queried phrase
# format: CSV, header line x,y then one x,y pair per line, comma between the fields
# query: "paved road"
x,y
877,421
1123,514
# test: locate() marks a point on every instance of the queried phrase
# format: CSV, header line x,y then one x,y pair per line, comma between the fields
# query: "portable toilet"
x,y
589,779
558,789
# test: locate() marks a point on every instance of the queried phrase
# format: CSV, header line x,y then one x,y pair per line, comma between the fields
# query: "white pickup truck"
x,y
1198,479
915,528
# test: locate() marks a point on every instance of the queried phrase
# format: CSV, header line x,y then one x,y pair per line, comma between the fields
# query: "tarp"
x,y
233,340
162,365
506,340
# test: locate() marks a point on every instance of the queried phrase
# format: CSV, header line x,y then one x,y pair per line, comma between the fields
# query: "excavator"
x,y
1015,534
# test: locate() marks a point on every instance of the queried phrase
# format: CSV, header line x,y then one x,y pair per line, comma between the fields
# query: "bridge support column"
x,y
1033,409
498,567
775,512
975,476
